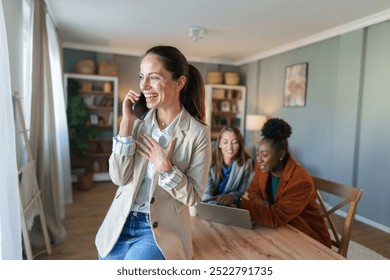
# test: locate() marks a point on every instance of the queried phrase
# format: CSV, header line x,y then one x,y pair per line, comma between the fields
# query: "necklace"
x,y
165,124
162,124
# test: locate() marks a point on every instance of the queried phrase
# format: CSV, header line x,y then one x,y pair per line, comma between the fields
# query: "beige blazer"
x,y
169,213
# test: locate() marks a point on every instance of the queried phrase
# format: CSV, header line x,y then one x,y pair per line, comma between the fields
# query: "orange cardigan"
x,y
295,202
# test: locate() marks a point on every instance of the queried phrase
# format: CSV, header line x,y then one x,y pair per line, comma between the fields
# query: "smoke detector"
x,y
196,33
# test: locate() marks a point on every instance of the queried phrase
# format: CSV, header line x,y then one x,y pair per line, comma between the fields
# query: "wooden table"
x,y
214,241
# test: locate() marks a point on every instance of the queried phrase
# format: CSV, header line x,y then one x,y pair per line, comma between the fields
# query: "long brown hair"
x,y
192,95
241,156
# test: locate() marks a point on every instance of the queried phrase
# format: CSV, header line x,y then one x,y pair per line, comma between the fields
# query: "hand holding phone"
x,y
139,108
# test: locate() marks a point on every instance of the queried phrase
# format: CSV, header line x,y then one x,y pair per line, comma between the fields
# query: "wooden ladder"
x,y
34,199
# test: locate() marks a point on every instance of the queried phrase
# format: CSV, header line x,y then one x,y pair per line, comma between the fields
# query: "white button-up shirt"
x,y
142,200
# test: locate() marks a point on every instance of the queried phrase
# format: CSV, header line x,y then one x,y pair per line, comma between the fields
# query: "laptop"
x,y
224,215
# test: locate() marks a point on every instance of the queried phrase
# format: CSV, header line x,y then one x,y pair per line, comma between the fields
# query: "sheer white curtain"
x,y
10,227
27,51
44,130
61,126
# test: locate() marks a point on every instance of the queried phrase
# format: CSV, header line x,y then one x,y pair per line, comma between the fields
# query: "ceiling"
x,y
236,31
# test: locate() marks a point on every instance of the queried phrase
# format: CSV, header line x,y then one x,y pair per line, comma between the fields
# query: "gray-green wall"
x,y
343,133
373,161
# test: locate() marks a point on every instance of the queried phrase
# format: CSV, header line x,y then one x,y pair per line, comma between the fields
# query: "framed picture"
x,y
225,106
295,85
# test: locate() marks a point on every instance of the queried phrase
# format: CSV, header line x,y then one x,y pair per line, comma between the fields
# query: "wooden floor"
x,y
83,218
86,213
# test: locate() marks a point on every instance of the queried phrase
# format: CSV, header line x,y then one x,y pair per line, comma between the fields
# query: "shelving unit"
x,y
225,105
100,94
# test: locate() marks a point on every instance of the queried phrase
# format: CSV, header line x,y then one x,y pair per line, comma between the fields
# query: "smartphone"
x,y
139,108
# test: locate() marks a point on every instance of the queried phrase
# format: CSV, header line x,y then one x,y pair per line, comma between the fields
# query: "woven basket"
x,y
85,66
214,78
232,78
108,69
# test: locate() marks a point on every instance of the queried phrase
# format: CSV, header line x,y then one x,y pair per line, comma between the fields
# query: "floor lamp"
x,y
254,123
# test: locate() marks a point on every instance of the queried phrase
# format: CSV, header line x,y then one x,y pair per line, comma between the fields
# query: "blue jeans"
x,y
136,241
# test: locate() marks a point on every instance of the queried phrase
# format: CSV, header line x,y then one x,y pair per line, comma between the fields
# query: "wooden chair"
x,y
348,195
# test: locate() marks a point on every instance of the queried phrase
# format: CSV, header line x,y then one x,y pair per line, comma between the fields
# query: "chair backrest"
x,y
349,196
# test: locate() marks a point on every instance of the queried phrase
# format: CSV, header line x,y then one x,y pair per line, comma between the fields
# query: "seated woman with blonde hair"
x,y
231,168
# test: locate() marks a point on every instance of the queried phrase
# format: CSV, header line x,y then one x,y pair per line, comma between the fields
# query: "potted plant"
x,y
80,131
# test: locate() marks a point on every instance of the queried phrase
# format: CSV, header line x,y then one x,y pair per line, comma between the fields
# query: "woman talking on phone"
x,y
160,163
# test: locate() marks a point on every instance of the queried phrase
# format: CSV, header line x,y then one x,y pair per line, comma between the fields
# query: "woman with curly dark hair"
x,y
282,191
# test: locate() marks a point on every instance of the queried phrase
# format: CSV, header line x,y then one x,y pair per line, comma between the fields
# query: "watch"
x,y
168,172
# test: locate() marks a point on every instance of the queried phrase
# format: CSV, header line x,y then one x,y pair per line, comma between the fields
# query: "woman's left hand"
x,y
152,151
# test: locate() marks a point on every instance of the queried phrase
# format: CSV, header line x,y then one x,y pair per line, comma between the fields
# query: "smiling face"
x,y
160,90
229,145
269,158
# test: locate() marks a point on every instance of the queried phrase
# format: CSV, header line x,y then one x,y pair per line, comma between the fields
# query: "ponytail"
x,y
193,95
